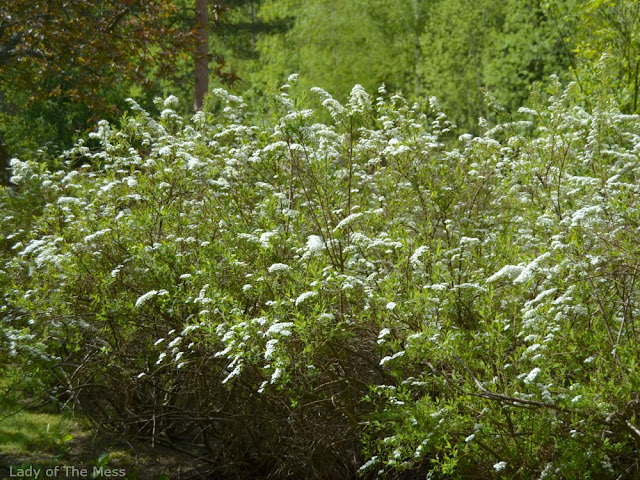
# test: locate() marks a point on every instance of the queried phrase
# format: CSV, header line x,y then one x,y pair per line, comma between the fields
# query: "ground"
x,y
40,437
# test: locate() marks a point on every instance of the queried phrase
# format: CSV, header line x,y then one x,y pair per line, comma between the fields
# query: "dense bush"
x,y
373,295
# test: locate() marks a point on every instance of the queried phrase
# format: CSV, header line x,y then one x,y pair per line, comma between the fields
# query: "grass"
x,y
29,434
22,431
32,435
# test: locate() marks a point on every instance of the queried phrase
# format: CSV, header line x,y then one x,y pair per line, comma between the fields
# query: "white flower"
x,y
236,371
346,221
276,375
391,305
279,267
415,258
170,101
192,162
392,357
95,235
371,462
304,296
528,272
265,238
280,329
160,358
271,348
143,298
165,151
469,241
189,328
500,466
383,333
532,375
315,244
509,271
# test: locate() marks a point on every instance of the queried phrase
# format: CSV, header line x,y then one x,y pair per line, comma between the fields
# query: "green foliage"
x,y
453,50
526,49
503,47
603,37
330,43
58,81
23,431
521,390
372,293
66,65
328,288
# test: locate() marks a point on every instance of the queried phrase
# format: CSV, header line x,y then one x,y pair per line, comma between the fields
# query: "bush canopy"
x,y
351,289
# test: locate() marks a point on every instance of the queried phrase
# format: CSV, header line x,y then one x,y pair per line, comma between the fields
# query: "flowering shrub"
x,y
372,294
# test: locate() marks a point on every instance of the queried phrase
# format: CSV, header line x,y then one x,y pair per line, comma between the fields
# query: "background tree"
x,y
202,53
64,65
4,163
400,24
236,38
453,50
504,47
603,27
330,43
526,48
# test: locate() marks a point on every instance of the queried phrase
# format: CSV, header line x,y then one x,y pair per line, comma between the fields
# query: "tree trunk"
x,y
5,168
202,53
417,49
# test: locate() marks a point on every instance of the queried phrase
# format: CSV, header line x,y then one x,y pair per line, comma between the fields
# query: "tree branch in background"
x,y
201,53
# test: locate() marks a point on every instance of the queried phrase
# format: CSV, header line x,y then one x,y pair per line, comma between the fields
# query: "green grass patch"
x,y
24,432
26,426
33,434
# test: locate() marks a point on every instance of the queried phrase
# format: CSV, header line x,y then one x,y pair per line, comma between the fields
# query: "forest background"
x,y
65,65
